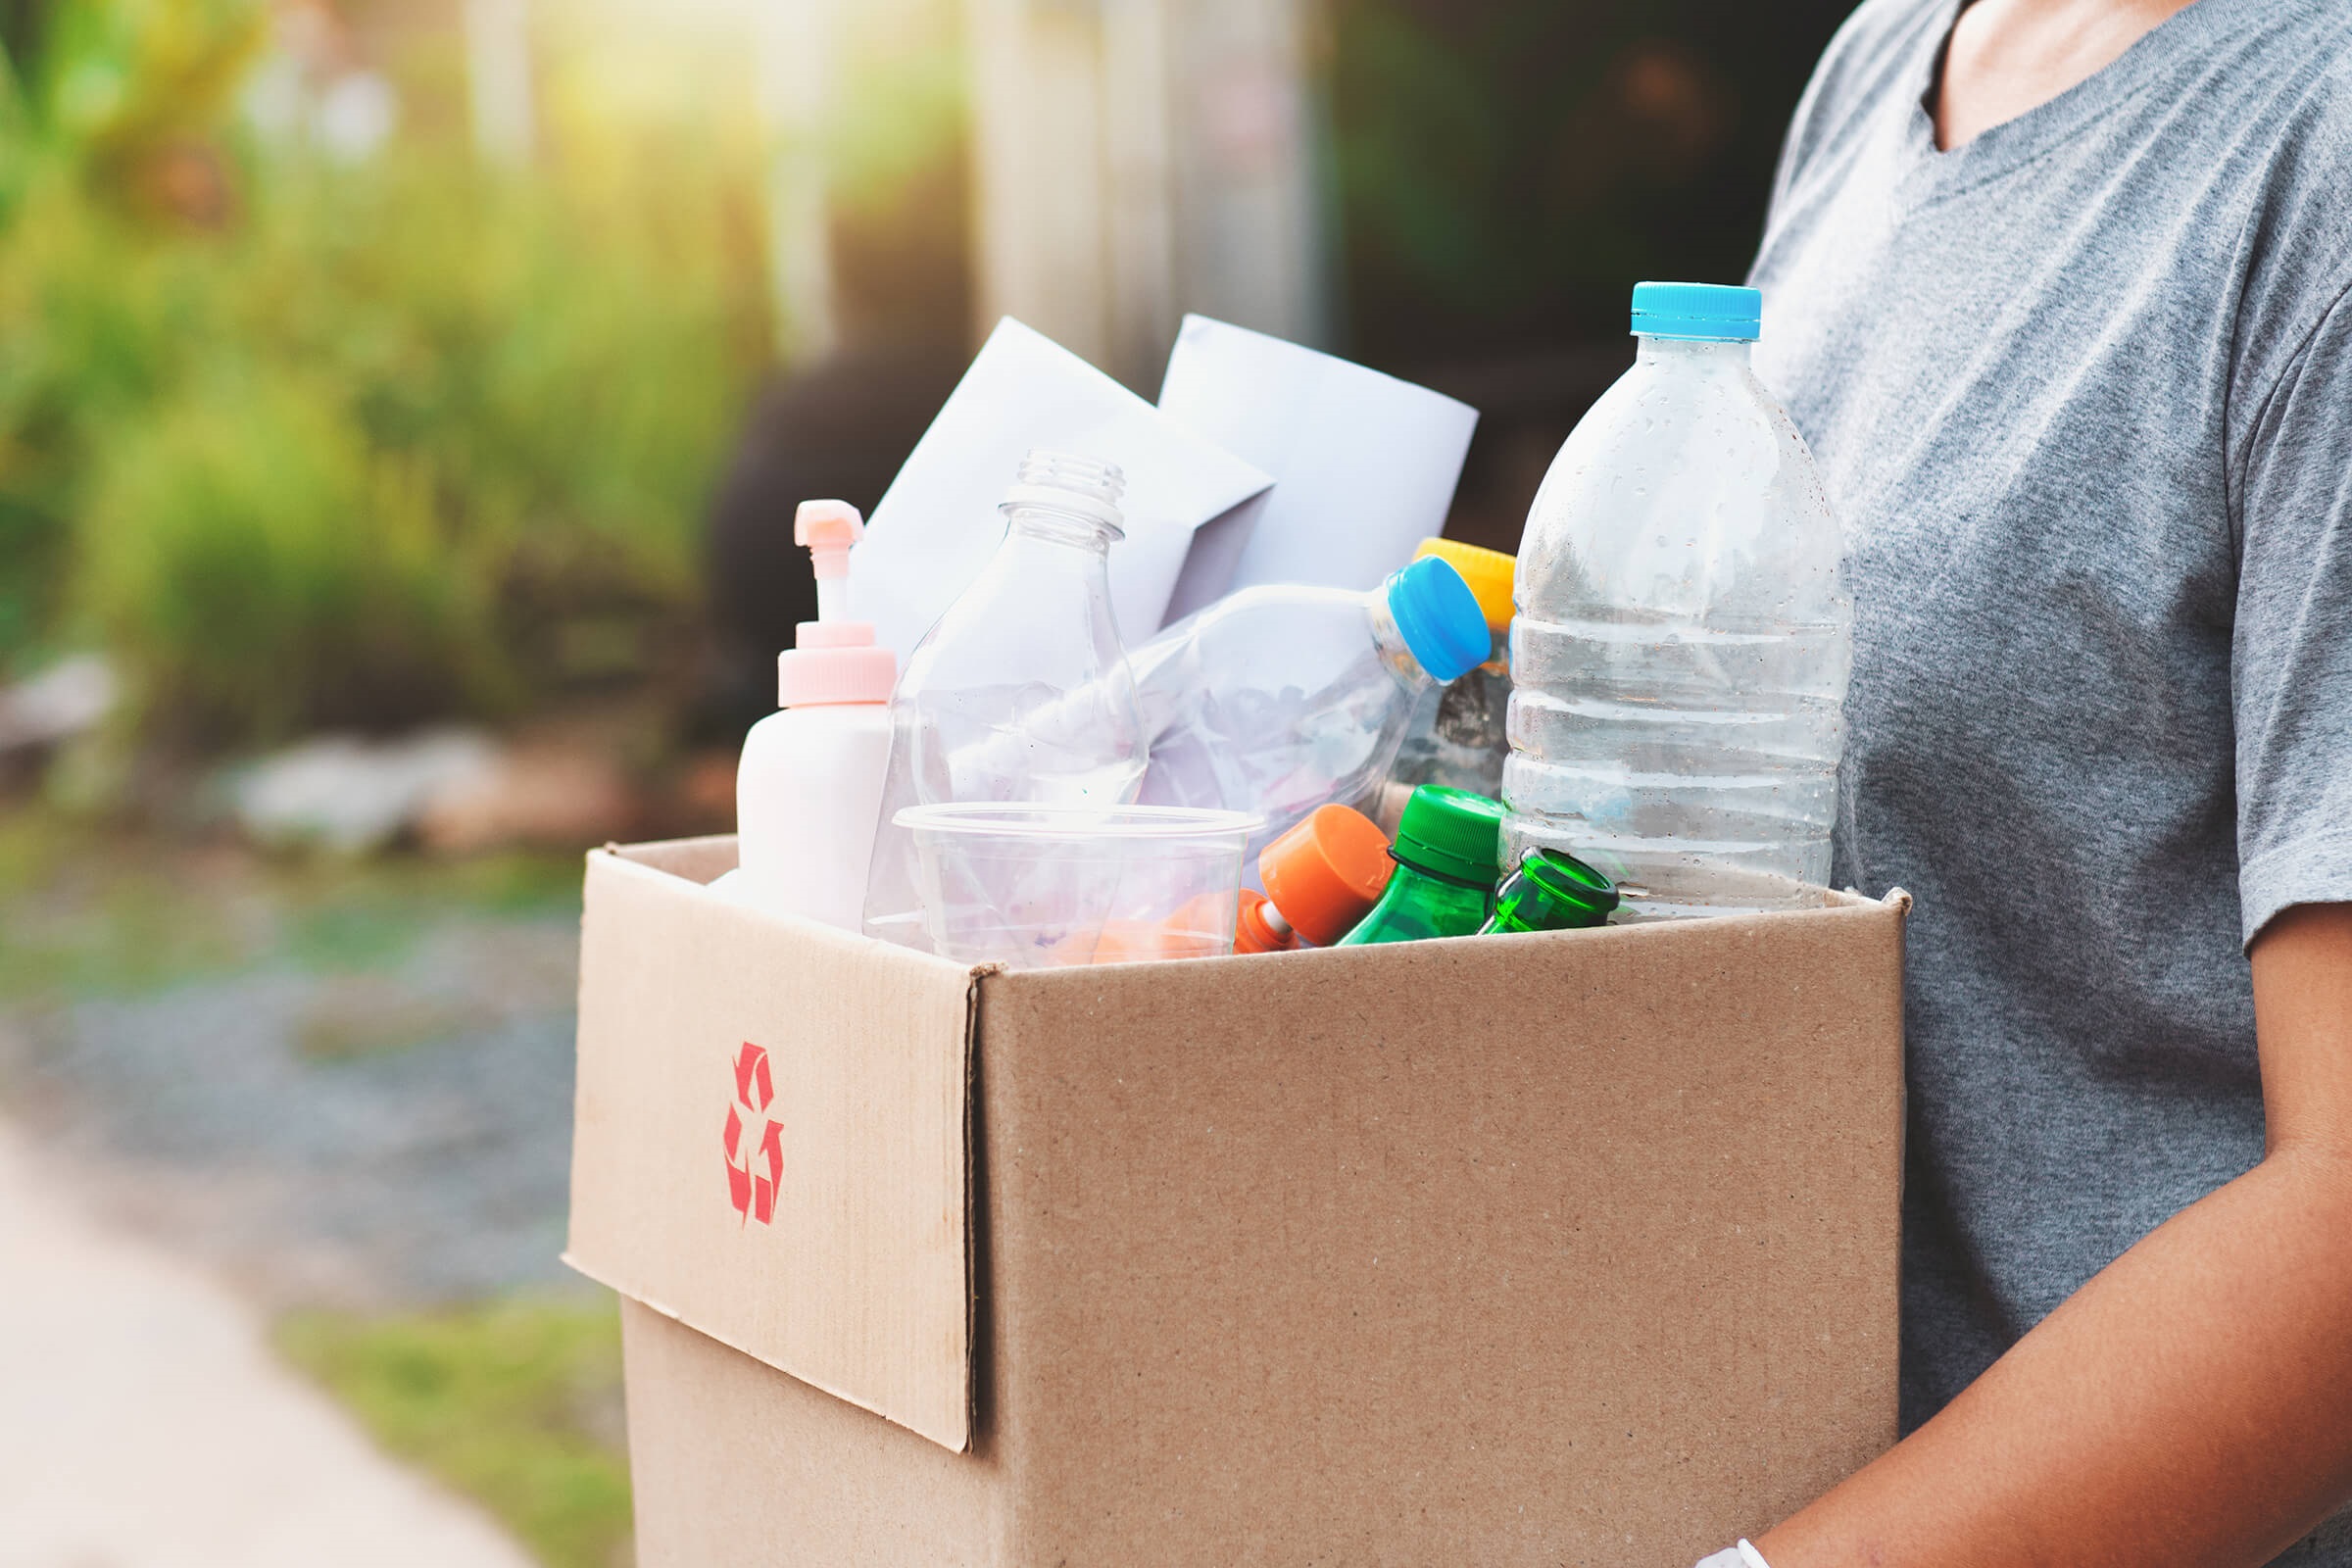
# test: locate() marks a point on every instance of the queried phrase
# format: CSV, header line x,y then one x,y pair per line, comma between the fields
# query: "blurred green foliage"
x,y
516,1405
311,440
249,530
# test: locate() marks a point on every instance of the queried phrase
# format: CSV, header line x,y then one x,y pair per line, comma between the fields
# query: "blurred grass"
x,y
342,919
89,911
516,1405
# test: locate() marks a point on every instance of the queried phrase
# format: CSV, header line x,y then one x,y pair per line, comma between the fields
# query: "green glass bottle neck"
x,y
1552,893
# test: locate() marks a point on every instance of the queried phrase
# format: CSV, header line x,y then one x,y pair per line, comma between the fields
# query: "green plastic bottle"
x,y
1446,851
1551,892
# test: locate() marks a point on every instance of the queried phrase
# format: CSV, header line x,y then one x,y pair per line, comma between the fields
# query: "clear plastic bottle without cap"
x,y
810,779
1279,699
1022,692
1683,634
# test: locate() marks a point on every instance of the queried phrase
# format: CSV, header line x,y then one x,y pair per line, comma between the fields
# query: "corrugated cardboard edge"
x,y
716,1337
980,976
1900,902
665,862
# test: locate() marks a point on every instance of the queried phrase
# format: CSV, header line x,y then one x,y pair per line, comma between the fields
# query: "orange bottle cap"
x,y
1262,927
1325,875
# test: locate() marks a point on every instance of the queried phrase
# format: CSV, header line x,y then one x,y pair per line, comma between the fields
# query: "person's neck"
x,y
2006,57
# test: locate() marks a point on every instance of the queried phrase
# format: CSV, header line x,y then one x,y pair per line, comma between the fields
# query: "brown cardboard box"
x,y
1557,1250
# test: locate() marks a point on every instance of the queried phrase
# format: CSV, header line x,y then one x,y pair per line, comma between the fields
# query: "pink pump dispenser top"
x,y
835,661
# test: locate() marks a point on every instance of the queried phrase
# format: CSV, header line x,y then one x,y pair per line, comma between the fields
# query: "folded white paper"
x,y
939,523
1364,464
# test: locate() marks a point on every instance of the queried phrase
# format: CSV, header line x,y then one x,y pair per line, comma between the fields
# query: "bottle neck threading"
x,y
1395,655
1029,520
1691,350
1445,879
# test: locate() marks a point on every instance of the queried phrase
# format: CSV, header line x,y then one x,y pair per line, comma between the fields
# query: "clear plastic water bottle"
x,y
1279,699
1683,634
1022,692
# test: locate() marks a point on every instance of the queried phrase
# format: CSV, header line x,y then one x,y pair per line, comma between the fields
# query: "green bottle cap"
x,y
1552,892
1450,833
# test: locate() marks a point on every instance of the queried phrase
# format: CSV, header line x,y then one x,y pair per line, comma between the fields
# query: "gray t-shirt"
x,y
2082,393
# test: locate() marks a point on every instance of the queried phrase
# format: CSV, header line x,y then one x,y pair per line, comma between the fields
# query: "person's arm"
x,y
2192,1404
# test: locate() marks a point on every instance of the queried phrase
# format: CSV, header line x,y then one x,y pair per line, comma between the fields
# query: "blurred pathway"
x,y
144,1422
395,1134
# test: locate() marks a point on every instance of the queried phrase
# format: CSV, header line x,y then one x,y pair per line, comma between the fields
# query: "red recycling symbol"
x,y
754,1159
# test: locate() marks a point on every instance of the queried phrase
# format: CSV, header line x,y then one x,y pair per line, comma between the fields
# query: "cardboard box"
x,y
1560,1249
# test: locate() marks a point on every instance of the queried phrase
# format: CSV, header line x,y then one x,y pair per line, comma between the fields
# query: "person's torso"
x,y
2026,367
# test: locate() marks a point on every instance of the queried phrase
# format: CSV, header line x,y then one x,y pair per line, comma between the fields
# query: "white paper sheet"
x,y
939,523
1364,464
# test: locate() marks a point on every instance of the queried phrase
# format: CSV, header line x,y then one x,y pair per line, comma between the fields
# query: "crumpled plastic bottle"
x,y
1280,698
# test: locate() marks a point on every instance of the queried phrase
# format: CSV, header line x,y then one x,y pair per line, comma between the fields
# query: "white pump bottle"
x,y
810,786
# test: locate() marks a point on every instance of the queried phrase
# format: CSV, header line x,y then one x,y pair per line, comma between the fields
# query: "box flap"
x,y
773,1140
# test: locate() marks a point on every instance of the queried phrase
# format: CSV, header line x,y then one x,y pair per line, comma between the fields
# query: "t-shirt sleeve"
x,y
2291,650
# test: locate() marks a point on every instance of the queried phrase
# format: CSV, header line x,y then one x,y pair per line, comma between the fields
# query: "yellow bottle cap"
x,y
1489,572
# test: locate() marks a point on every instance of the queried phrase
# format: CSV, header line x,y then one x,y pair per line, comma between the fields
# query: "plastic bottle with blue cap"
x,y
1683,635
1283,698
1459,735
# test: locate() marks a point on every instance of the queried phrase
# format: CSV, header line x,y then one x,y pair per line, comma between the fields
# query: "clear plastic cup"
x,y
1035,886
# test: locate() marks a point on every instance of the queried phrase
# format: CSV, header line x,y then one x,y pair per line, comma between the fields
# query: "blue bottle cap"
x,y
1701,313
1438,618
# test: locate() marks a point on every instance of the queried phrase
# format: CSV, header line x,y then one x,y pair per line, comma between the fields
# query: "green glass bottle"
x,y
1446,850
1551,892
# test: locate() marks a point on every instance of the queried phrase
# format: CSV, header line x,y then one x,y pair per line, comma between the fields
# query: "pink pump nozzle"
x,y
826,529
836,660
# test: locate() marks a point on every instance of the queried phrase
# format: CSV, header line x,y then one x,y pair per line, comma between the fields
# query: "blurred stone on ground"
x,y
596,776
68,699
543,792
348,794
147,1425
463,792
